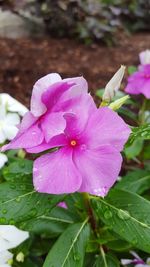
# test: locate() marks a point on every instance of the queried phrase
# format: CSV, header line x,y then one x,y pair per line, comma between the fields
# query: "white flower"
x,y
3,160
113,85
11,237
10,109
12,104
145,57
5,258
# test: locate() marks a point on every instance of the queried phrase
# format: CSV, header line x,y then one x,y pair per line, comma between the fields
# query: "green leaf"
x,y
132,69
134,149
105,236
110,239
19,202
128,215
106,261
123,111
135,181
142,132
69,249
119,245
100,93
89,260
146,151
28,262
40,246
51,224
17,169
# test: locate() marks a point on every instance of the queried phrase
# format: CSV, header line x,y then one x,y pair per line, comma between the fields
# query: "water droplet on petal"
x,y
35,169
83,147
102,191
39,178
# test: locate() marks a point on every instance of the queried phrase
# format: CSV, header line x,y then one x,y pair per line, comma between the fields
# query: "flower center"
x,y
73,143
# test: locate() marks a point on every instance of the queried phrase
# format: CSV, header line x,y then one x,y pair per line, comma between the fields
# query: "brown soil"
x,y
23,61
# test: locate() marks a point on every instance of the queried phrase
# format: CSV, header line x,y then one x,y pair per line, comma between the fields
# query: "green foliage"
x,y
66,237
131,69
106,261
91,231
25,201
142,132
98,20
136,181
134,149
126,214
87,20
72,253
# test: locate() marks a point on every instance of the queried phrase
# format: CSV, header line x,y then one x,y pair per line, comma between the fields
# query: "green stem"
x,y
89,209
142,112
92,221
103,256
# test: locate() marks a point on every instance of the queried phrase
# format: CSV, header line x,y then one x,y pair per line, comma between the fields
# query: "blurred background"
x,y
73,37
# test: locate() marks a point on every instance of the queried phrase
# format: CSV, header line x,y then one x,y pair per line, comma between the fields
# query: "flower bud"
x,y
119,102
113,85
20,257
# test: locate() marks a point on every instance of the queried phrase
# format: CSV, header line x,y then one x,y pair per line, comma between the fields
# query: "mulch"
x,y
23,61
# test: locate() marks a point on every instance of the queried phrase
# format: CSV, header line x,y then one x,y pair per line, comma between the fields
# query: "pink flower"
x,y
62,205
88,140
137,261
88,158
144,57
51,98
139,82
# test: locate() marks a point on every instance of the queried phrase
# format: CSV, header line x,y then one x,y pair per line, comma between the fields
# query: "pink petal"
x,y
27,121
37,107
56,141
32,137
106,127
62,205
146,89
135,84
55,173
82,107
39,148
59,95
99,169
80,86
126,261
51,96
53,124
139,82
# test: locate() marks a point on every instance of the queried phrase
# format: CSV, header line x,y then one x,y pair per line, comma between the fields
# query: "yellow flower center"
x,y
73,143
